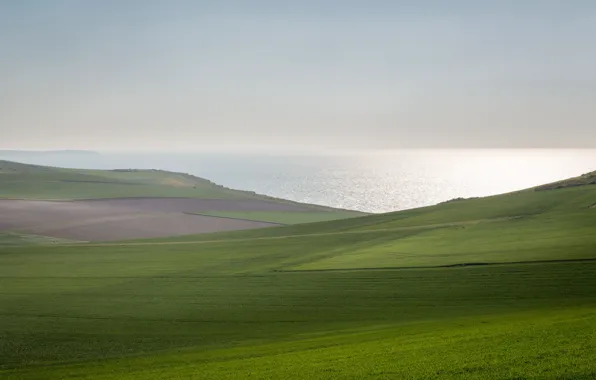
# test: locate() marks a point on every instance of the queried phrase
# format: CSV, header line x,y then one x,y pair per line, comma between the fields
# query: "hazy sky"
x,y
132,74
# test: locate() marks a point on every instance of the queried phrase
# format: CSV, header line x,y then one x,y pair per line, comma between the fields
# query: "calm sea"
x,y
373,181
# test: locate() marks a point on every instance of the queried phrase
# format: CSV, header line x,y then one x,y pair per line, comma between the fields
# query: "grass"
x,y
14,239
523,226
24,181
284,217
540,345
583,180
128,315
488,288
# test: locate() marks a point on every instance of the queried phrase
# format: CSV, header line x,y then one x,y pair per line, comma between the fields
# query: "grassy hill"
x,y
486,288
527,225
26,181
34,182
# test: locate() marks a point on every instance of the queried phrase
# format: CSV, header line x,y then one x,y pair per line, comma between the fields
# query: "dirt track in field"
x,y
130,218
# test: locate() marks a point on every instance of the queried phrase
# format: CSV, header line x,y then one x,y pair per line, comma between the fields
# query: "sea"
x,y
370,181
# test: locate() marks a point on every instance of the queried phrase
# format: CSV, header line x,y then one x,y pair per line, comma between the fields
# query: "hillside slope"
x,y
487,288
522,226
103,205
24,181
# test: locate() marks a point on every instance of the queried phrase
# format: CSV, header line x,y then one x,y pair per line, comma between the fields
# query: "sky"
x,y
258,74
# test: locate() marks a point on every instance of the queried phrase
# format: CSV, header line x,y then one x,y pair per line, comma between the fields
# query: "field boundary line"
x,y
445,266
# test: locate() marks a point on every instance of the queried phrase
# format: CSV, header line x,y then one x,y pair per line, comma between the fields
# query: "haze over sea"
x,y
376,181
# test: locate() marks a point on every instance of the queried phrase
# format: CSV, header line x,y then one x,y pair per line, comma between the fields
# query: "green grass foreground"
x,y
476,322
489,288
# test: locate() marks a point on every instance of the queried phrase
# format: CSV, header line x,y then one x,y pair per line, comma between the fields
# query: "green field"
x,y
13,239
488,288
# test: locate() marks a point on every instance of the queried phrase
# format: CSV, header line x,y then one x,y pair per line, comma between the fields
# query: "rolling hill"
x,y
25,181
101,205
484,288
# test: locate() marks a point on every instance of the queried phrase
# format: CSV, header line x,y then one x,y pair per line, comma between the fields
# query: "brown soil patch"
x,y
118,219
